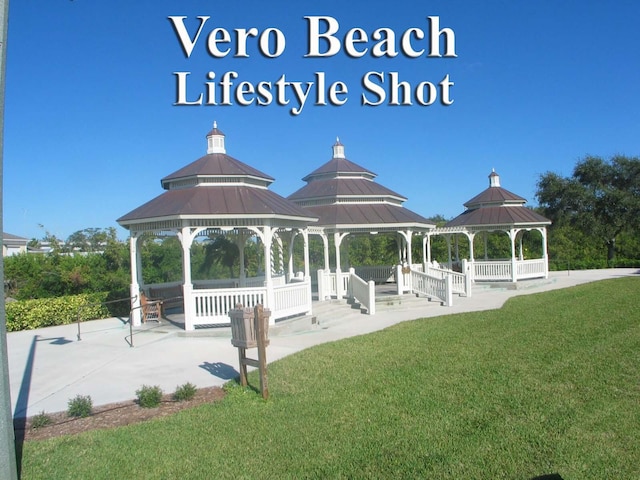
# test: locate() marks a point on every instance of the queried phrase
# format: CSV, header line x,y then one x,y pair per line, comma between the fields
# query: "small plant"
x,y
80,406
185,392
149,397
41,420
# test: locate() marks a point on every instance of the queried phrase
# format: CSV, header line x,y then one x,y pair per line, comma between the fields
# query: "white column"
x,y
307,267
268,280
448,240
325,242
186,239
337,239
292,239
543,231
136,273
514,266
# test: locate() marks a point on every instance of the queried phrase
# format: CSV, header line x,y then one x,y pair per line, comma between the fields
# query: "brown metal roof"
x,y
339,165
495,195
333,187
217,201
366,215
216,164
505,215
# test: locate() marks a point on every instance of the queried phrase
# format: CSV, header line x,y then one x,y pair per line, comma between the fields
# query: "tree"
x,y
601,199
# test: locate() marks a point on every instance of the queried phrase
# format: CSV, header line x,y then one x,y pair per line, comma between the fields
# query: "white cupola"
x,y
338,149
494,179
215,140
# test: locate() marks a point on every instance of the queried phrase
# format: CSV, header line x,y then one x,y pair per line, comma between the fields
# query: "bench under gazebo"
x,y
219,195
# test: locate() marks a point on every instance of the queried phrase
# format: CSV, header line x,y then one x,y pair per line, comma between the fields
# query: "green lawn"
x,y
549,383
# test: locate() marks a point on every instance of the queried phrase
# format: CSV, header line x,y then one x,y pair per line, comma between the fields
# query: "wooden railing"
x,y
362,292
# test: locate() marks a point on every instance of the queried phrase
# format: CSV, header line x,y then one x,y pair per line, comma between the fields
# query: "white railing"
x,y
461,282
531,268
329,282
377,273
500,270
433,287
211,306
363,292
291,299
488,270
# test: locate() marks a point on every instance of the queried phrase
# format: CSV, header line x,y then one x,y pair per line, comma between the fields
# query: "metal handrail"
x,y
153,302
86,305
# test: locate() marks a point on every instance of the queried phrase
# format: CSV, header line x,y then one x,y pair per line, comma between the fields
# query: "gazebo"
x,y
347,200
219,195
497,209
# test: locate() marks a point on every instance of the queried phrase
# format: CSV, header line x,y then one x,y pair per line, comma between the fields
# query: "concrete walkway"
x,y
49,366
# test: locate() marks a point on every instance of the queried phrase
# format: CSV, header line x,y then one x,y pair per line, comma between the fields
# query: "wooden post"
x,y
249,330
261,320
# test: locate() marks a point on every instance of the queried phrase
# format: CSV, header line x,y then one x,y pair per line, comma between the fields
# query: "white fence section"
x,y
531,268
501,270
291,299
433,287
211,306
492,270
461,282
332,285
363,292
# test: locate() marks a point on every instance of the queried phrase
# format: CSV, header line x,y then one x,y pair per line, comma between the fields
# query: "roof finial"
x,y
215,124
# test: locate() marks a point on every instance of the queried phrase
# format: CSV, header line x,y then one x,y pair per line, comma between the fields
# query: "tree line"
x,y
595,214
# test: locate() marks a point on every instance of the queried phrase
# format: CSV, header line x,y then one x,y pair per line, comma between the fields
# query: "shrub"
x,y
80,406
47,312
149,397
185,392
41,420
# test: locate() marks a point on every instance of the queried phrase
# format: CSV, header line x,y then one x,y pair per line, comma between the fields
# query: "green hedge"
x,y
47,312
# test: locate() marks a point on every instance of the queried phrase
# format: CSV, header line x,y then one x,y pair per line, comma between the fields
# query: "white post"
x,y
514,265
268,280
543,231
468,278
449,291
186,239
134,292
399,279
372,297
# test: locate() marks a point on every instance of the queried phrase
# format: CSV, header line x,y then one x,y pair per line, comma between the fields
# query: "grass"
x,y
549,383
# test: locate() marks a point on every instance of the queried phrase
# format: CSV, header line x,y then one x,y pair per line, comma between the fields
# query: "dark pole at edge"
x,y
8,464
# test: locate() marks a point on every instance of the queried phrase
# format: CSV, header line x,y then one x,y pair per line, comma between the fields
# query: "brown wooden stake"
x,y
262,351
242,357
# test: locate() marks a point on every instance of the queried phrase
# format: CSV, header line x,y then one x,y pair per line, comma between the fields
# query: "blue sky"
x,y
90,125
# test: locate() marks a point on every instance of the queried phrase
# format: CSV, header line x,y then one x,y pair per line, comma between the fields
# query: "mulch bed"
x,y
112,415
